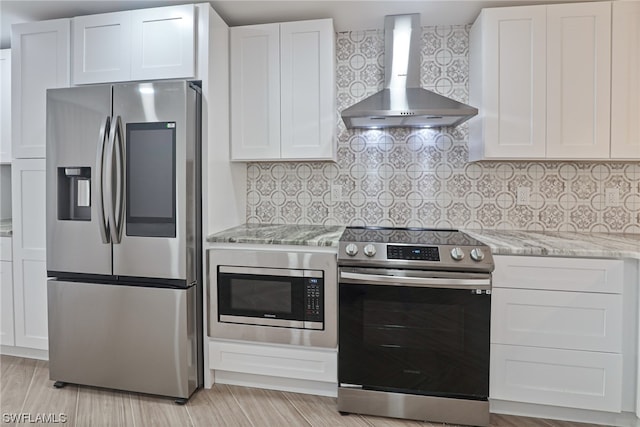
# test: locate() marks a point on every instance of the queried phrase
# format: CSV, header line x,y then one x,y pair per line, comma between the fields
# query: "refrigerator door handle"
x,y
119,211
99,177
114,199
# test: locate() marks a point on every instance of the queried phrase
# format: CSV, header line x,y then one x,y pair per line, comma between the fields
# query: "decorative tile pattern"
x,y
422,178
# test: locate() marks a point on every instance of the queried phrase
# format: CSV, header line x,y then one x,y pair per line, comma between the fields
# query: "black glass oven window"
x,y
418,340
261,295
151,178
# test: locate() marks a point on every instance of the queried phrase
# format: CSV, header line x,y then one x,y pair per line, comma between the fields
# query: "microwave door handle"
x,y
100,181
119,206
425,282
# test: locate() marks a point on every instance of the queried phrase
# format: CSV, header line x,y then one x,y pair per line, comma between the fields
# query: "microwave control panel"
x,y
313,299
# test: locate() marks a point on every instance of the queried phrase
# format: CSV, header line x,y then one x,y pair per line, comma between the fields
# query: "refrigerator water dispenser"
x,y
74,193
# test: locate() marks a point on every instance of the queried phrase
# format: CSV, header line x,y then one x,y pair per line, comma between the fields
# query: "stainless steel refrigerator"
x,y
124,237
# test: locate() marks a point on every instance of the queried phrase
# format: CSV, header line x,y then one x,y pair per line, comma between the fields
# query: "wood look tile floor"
x,y
25,388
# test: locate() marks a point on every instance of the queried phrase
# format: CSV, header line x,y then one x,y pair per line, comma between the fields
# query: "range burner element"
x,y
436,249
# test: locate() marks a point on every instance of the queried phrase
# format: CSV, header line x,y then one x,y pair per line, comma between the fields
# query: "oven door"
x,y
415,332
270,297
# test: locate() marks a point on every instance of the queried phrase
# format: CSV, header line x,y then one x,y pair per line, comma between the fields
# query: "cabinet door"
x,y
6,302
40,61
29,253
513,83
102,48
5,106
303,363
307,82
578,80
163,43
547,376
625,81
255,92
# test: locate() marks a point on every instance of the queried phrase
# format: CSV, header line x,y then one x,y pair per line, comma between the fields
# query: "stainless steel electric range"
x,y
414,323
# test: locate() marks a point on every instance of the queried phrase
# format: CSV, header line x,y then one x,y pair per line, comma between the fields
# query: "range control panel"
x,y
313,297
413,253
441,257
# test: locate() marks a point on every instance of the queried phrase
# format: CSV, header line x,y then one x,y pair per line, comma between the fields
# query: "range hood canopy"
x,y
403,103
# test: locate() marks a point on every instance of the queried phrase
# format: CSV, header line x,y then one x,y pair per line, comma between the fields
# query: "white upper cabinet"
x,y
144,44
307,70
508,82
625,80
101,48
163,43
40,61
282,91
255,92
541,77
578,80
5,106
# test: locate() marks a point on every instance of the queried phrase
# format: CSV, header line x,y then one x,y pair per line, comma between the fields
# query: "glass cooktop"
x,y
410,236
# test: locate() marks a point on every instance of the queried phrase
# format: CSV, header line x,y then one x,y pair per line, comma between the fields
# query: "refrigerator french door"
x,y
124,237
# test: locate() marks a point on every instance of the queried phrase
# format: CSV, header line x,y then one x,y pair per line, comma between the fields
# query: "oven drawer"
x,y
567,378
559,274
566,320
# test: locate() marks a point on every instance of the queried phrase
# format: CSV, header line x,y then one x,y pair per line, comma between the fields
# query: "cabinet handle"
x,y
425,282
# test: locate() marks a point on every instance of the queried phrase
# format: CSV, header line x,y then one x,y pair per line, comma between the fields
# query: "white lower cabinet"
x,y
294,368
549,376
29,253
558,332
6,293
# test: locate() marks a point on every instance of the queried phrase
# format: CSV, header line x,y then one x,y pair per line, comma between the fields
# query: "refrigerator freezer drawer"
x,y
132,338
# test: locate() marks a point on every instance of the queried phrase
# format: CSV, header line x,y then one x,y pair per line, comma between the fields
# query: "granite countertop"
x,y
6,228
501,242
280,234
559,243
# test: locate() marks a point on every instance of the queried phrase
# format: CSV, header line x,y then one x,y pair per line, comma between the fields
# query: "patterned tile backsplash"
x,y
422,178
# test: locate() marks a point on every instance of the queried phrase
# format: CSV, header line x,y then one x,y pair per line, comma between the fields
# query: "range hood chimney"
x,y
402,102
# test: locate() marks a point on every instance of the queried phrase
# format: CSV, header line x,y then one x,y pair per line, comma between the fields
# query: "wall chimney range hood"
x,y
402,102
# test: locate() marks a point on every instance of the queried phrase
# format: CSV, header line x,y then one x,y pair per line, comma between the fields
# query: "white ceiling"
x,y
347,15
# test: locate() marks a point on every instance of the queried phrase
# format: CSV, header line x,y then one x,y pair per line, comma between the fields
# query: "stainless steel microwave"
x,y
273,294
283,297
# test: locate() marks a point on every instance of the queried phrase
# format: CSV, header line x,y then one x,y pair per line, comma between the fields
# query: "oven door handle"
x,y
424,282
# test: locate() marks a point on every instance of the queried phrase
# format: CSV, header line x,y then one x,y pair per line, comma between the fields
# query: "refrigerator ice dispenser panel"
x,y
74,193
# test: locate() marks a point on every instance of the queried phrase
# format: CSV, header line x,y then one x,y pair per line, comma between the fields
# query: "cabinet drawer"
x,y
5,249
568,378
559,274
286,362
568,320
